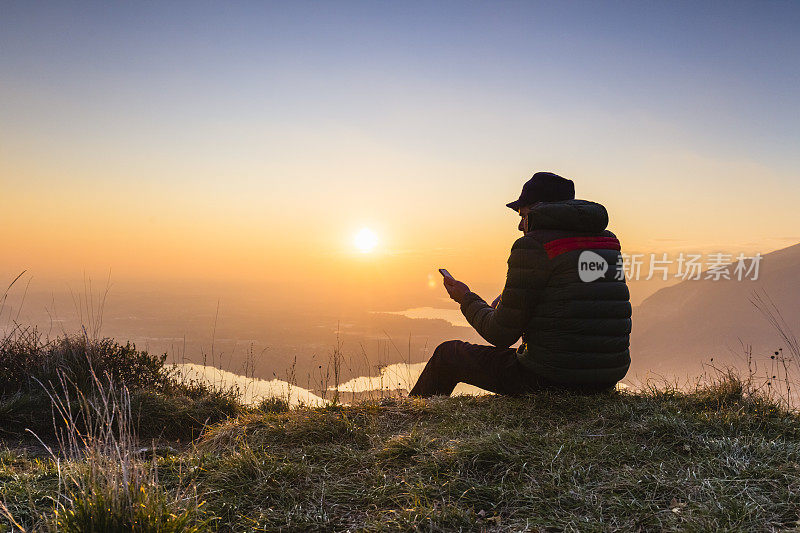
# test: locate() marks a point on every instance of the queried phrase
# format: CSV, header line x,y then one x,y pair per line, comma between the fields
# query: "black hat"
x,y
544,187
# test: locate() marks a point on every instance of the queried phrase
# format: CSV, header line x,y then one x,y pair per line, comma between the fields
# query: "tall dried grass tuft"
x,y
106,482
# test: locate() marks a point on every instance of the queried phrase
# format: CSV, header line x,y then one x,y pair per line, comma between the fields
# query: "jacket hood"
x,y
570,215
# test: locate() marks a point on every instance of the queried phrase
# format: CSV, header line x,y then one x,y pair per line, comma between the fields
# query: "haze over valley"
x,y
677,330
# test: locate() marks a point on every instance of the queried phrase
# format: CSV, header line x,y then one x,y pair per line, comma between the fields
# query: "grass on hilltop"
x,y
33,369
719,458
725,456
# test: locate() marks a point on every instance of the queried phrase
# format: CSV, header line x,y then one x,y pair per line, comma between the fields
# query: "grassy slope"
x,y
709,460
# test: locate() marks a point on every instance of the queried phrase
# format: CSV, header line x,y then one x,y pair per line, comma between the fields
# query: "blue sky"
x,y
723,73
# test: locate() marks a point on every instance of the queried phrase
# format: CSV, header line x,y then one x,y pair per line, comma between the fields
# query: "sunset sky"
x,y
251,141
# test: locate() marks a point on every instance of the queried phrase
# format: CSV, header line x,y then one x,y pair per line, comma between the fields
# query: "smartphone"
x,y
445,273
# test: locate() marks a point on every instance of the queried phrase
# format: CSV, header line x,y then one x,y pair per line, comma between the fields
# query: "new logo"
x,y
591,266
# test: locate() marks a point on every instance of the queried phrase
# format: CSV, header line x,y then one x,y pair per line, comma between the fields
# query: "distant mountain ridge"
x,y
679,328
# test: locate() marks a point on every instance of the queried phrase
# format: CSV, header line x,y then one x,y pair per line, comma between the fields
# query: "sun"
x,y
365,240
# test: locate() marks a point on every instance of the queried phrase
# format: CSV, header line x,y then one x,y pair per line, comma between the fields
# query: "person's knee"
x,y
445,352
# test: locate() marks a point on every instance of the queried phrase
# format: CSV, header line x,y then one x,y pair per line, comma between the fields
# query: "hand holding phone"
x,y
455,288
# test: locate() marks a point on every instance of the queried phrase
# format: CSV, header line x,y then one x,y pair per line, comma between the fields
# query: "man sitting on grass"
x,y
565,295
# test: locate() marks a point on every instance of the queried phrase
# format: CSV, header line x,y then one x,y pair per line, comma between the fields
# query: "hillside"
x,y
679,328
97,437
714,459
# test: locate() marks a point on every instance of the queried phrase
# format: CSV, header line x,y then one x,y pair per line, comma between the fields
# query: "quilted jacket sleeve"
x,y
528,272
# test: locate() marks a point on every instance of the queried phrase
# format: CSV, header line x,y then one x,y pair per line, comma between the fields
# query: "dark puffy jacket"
x,y
574,332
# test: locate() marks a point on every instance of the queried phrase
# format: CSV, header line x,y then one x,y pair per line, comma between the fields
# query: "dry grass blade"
x,y
5,512
5,295
790,365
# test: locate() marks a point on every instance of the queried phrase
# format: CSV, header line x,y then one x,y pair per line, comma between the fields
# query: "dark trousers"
x,y
490,368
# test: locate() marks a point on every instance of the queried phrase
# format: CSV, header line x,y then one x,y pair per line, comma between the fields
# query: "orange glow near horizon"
x,y
144,235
